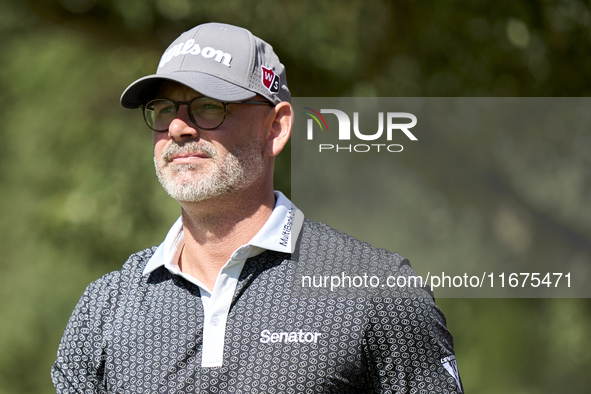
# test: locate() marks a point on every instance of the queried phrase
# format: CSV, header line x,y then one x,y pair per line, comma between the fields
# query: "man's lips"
x,y
192,157
187,153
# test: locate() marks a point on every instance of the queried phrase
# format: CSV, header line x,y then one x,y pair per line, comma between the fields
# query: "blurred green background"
x,y
78,194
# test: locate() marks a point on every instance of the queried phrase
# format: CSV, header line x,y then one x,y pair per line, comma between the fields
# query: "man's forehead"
x,y
172,88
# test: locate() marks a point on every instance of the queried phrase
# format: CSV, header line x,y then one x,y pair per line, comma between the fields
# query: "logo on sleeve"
x,y
449,363
270,79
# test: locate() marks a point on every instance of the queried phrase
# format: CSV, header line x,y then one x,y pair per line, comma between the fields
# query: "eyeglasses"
x,y
205,113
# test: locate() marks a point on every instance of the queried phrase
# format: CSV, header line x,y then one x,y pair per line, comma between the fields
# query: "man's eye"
x,y
207,108
165,110
210,104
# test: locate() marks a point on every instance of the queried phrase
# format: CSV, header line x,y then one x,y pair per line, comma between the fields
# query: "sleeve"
x,y
79,365
409,349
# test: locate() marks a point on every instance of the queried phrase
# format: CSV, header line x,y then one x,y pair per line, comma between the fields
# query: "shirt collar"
x,y
279,233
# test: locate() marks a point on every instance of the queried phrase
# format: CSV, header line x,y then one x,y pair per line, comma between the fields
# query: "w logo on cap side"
x,y
270,79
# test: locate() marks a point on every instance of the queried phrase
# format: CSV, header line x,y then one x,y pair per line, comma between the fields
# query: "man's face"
x,y
194,164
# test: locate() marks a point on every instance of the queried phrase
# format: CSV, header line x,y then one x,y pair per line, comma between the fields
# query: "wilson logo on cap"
x,y
190,47
270,79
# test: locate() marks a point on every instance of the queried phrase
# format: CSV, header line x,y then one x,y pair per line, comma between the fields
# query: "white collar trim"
x,y
279,233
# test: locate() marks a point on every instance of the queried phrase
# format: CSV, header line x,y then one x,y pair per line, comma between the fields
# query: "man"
x,y
215,307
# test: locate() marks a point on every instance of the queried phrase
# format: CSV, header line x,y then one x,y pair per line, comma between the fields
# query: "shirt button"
x,y
215,320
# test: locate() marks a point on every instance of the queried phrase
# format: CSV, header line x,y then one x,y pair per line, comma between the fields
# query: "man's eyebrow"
x,y
178,101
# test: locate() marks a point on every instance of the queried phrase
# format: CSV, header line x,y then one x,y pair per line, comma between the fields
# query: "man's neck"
x,y
215,228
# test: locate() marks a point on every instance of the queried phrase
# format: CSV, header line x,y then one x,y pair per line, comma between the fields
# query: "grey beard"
x,y
199,188
232,174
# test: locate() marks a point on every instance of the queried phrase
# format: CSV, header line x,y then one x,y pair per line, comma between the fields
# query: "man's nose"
x,y
182,127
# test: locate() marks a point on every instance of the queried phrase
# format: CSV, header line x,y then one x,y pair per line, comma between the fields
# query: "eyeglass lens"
x,y
205,112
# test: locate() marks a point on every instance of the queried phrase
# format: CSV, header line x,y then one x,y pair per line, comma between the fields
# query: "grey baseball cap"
x,y
224,62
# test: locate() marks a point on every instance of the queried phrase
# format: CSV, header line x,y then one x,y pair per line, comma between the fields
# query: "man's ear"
x,y
279,129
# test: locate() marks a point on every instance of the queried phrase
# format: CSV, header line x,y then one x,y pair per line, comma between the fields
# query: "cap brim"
x,y
146,88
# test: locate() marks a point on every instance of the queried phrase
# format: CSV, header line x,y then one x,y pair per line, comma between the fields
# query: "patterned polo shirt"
x,y
150,328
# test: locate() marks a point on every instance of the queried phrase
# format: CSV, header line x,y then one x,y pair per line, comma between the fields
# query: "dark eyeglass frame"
x,y
177,105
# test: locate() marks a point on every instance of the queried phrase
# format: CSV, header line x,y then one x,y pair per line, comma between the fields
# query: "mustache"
x,y
186,148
